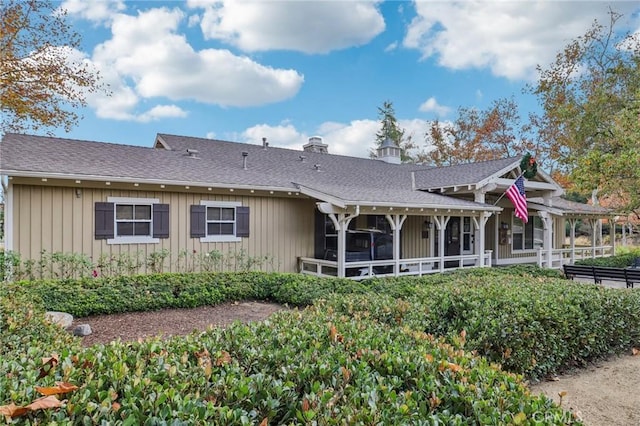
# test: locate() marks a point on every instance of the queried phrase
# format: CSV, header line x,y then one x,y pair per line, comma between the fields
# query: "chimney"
x,y
265,144
245,154
315,145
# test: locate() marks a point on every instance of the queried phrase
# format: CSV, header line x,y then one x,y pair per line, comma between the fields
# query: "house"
x,y
187,194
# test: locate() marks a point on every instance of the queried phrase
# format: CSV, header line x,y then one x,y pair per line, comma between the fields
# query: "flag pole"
x,y
504,192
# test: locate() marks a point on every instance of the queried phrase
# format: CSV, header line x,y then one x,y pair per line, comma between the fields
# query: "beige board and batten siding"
x,y
57,219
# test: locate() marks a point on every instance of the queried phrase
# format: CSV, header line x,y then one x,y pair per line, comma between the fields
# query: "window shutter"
x,y
198,221
104,221
319,235
161,220
242,221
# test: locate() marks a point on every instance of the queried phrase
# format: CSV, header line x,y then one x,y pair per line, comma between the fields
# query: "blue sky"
x,y
290,69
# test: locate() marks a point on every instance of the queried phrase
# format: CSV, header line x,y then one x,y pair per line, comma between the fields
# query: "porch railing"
x,y
565,256
393,268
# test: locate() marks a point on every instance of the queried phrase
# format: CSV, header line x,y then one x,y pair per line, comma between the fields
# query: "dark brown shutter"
x,y
104,221
198,221
161,220
319,235
242,221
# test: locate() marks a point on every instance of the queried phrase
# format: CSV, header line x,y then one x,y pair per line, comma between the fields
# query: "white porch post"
x,y
341,223
396,221
480,224
612,233
593,223
441,225
624,233
547,223
572,238
496,238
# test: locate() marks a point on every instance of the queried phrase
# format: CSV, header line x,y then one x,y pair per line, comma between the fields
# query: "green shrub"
x,y
621,260
299,367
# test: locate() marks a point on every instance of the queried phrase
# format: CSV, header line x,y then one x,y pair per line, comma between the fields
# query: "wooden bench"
x,y
629,276
572,271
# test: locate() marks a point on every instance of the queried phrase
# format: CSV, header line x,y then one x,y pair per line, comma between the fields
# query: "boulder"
x,y
82,330
63,319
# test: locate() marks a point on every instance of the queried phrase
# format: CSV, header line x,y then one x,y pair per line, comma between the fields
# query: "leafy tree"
x,y
590,97
43,77
390,129
478,135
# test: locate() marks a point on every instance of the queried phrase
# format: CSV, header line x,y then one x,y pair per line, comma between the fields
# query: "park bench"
x,y
629,276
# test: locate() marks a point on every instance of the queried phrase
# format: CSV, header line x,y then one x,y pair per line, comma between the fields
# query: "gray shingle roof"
x,y
462,174
572,207
220,164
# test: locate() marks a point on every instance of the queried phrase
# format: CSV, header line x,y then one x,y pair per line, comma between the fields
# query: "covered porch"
x,y
416,248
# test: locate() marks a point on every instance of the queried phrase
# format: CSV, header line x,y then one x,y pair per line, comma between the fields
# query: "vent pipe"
x,y
245,154
265,144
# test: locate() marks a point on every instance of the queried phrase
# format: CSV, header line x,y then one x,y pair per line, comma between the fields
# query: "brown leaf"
x,y
305,405
264,422
115,406
44,403
48,364
333,333
60,388
562,394
223,359
346,373
635,351
12,410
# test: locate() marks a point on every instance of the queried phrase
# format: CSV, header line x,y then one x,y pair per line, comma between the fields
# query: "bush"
x,y
622,260
299,367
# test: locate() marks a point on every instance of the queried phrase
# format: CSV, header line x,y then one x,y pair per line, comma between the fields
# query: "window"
x,y
528,236
131,220
219,221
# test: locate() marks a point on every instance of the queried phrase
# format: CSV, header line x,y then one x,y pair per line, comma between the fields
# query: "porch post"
x,y
341,223
593,224
547,223
396,221
572,238
480,224
441,225
624,233
612,233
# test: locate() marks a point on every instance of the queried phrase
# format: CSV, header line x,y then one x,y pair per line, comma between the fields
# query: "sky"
x,y
291,69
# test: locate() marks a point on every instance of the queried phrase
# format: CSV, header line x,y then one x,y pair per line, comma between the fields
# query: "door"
x,y
452,241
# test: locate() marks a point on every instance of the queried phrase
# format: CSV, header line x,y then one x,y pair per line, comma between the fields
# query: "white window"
x,y
527,236
221,221
133,220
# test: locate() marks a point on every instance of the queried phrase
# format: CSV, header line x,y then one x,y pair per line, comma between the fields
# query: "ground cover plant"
x,y
366,352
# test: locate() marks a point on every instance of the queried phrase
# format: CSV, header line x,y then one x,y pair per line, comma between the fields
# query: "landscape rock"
x,y
82,330
63,319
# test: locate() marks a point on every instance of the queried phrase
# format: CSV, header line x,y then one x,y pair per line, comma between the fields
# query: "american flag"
x,y
519,199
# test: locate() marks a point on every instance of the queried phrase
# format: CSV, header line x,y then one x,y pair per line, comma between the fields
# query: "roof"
x,y
463,174
338,179
569,208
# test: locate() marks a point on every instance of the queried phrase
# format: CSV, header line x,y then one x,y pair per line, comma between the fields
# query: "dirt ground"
x,y
605,394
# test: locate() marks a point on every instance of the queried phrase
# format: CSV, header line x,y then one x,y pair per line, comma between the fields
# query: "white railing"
x,y
565,256
393,268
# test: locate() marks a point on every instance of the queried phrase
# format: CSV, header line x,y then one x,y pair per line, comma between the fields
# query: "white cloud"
x,y
509,38
391,47
159,112
96,11
147,58
305,26
354,139
431,105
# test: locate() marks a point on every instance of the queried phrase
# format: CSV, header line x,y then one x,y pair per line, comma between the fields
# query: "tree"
x,y
590,96
43,78
390,129
478,135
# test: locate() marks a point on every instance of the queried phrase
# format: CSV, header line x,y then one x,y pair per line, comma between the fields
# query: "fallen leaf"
x,y
635,351
224,358
562,394
48,364
12,410
44,403
60,388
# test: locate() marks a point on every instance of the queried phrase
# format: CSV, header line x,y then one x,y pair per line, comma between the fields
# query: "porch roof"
x,y
571,208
